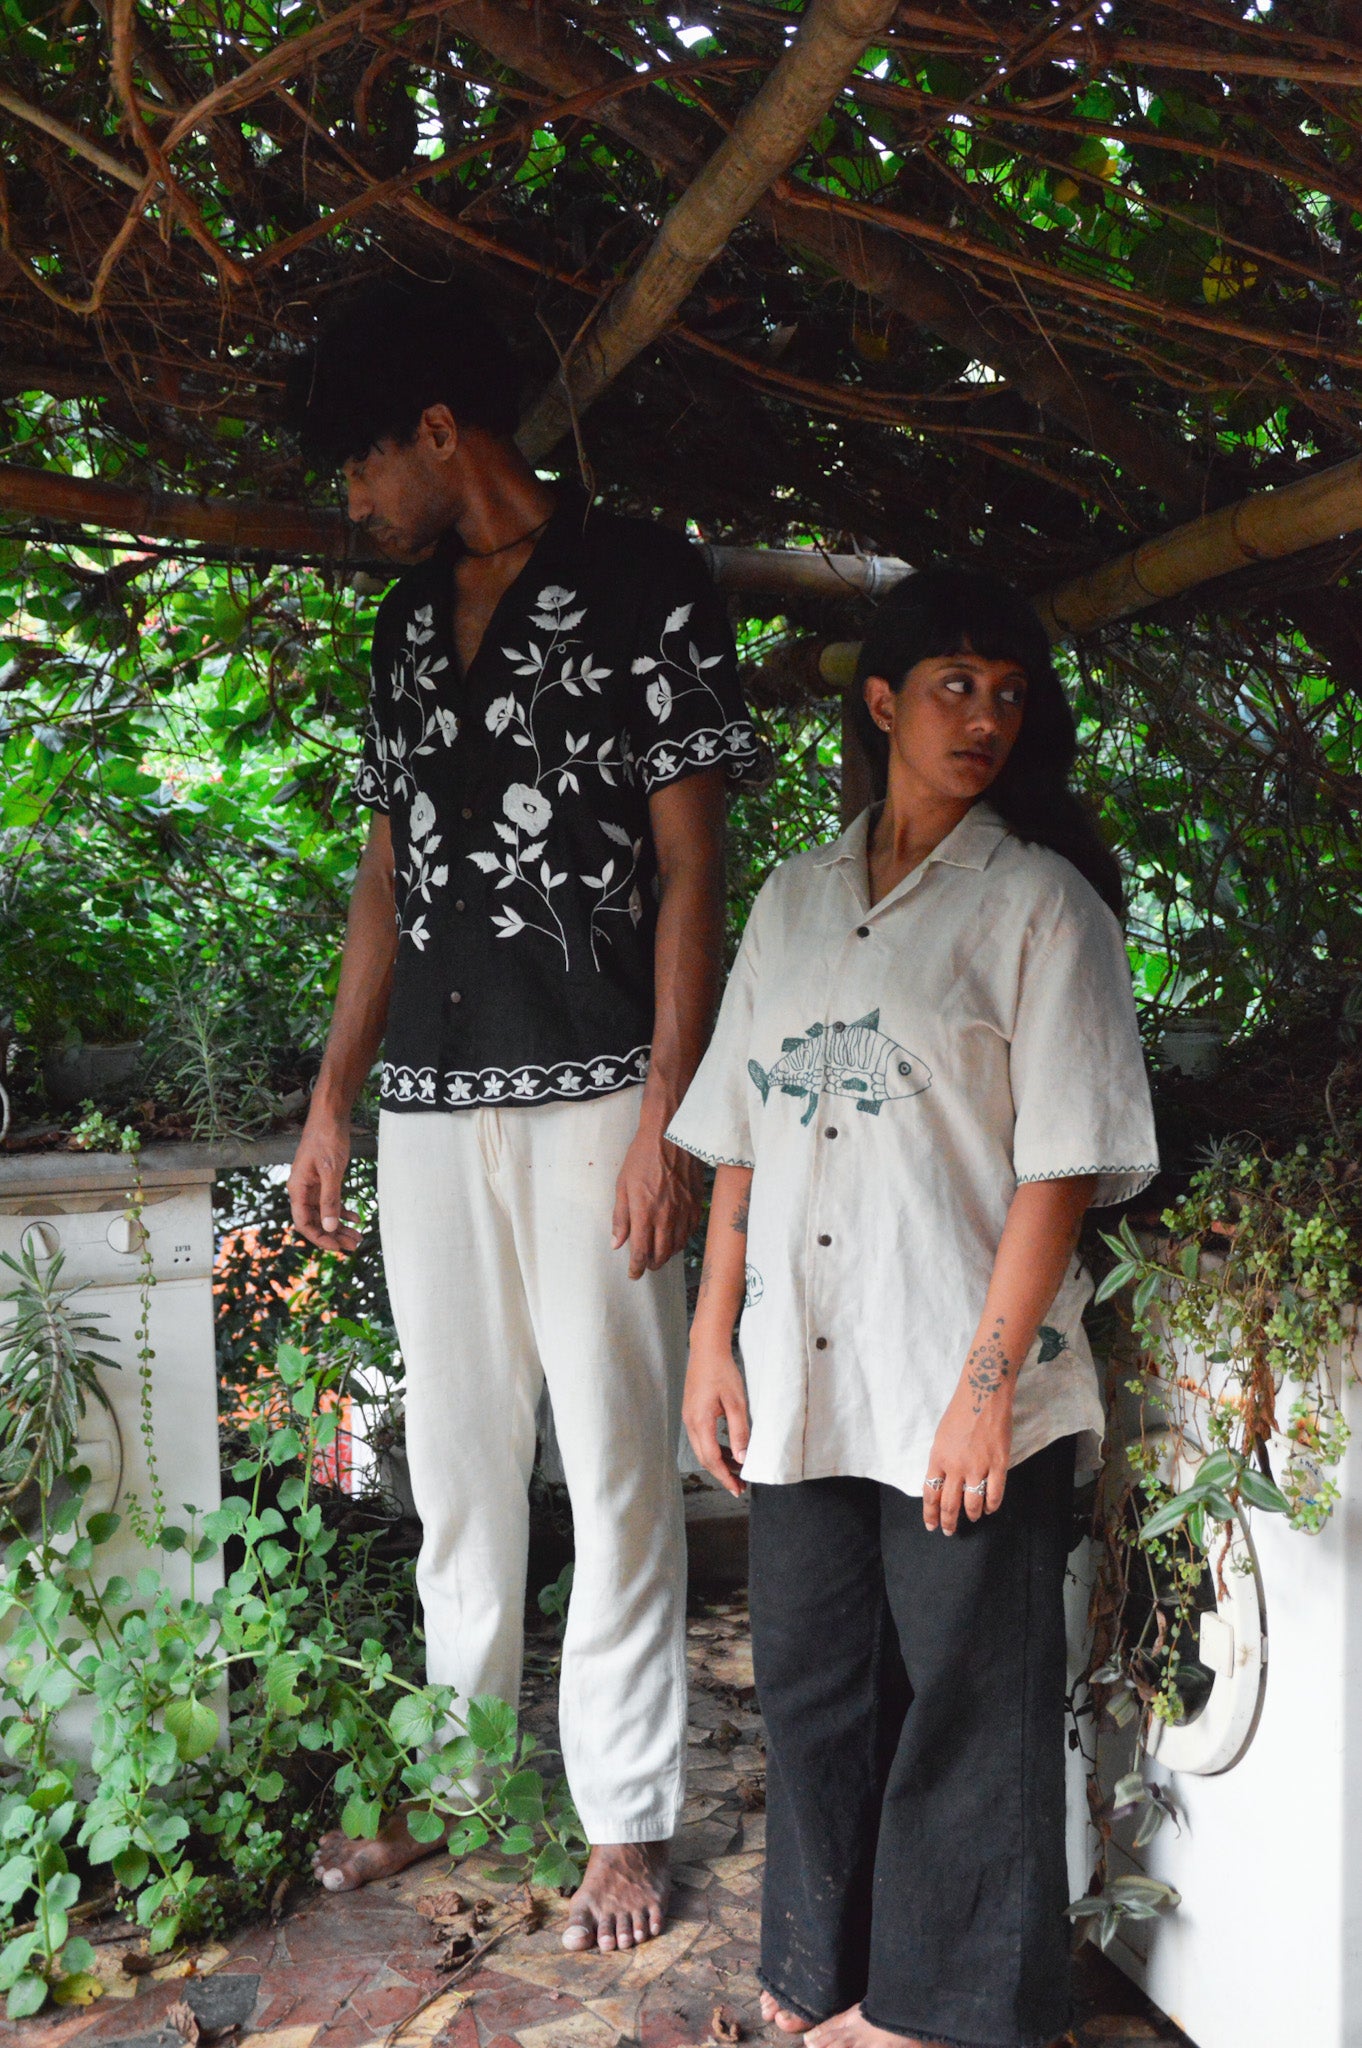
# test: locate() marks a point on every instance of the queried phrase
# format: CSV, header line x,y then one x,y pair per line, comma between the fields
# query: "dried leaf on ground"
x,y
723,2026
445,1904
137,1963
184,2020
752,1794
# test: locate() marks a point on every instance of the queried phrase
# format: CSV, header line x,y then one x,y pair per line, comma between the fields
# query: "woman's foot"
x,y
776,2016
851,2029
622,1899
342,1865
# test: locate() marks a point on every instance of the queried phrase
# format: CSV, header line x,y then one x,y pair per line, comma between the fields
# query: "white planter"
x,y
78,1203
1266,1947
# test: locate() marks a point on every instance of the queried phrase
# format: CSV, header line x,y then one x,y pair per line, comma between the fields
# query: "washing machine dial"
x,y
126,1233
42,1241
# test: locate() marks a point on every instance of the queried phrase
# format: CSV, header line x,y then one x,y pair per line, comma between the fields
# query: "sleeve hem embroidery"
x,y
710,1158
1143,1172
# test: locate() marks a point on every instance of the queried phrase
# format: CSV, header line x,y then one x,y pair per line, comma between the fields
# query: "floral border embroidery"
x,y
564,1081
664,761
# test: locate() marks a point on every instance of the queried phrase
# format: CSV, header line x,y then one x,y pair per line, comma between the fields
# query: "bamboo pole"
x,y
1265,527
764,141
1261,528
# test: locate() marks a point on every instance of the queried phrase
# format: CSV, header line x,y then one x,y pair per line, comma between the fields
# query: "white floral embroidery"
x,y
422,816
552,665
527,808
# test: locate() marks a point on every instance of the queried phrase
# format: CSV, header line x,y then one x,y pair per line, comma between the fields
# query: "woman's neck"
x,y
910,825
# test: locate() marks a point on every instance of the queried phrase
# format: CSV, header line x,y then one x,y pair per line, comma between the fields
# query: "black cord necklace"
x,y
486,554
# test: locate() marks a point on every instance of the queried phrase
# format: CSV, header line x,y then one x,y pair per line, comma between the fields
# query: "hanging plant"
x,y
1243,1313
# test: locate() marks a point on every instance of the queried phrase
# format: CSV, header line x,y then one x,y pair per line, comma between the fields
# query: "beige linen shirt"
x,y
893,1074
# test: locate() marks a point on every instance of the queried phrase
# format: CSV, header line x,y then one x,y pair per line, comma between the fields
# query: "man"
x,y
534,935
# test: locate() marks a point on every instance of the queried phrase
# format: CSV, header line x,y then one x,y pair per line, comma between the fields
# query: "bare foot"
x,y
851,2029
342,1865
622,1898
776,2016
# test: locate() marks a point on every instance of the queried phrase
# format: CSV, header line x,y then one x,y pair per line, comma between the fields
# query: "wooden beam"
x,y
764,141
235,525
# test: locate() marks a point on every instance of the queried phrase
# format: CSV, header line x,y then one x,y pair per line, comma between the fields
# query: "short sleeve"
x,y
371,781
713,1121
684,709
1079,1085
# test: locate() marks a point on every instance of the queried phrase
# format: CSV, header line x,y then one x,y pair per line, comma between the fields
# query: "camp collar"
x,y
970,845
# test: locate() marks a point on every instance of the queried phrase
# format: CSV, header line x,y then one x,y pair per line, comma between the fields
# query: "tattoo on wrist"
x,y
987,1367
740,1215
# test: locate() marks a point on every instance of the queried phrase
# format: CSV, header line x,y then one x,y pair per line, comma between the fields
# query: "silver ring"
x,y
935,1484
982,1487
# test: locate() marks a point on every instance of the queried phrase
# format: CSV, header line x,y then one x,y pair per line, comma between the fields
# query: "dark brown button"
x,y
831,1131
839,1027
820,1344
863,931
825,1239
459,903
466,813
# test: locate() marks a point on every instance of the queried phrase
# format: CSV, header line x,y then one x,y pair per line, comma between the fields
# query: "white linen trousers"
x,y
496,1229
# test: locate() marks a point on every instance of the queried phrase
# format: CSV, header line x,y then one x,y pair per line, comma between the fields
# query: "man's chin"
x,y
401,547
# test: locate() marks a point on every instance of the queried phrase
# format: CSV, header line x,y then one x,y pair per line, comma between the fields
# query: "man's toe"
x,y
579,1934
643,1928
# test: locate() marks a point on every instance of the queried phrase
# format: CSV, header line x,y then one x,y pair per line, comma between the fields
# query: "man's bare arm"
x,y
357,1025
657,1199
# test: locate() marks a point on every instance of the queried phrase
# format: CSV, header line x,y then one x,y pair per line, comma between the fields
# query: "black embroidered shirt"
x,y
518,794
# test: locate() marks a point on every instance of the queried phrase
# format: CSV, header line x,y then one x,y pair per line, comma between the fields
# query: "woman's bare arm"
x,y
974,1439
714,1385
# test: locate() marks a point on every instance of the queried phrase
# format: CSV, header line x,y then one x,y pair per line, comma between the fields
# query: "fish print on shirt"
x,y
1052,1342
855,1060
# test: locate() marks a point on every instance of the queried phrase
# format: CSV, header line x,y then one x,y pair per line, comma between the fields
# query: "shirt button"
x,y
820,1344
459,903
839,1027
455,995
465,813
825,1239
863,931
831,1131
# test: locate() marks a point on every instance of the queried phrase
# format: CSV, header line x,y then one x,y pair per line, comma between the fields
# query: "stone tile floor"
x,y
366,1969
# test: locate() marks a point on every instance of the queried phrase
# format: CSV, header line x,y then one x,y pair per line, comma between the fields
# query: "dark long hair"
x,y
954,609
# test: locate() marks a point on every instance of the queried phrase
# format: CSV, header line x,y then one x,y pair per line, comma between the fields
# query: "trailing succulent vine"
x,y
225,1728
1242,1320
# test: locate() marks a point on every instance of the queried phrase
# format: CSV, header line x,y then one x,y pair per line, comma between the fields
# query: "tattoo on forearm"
x,y
740,1215
987,1367
705,1277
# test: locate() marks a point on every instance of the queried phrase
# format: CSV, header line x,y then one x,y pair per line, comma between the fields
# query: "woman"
x,y
925,1069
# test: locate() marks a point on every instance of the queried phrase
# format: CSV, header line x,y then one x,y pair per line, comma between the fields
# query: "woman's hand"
x,y
968,1465
714,1388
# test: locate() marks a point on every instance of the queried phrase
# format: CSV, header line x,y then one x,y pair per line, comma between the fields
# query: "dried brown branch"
x,y
762,144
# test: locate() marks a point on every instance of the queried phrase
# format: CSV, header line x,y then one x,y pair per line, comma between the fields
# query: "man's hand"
x,y
657,1202
314,1185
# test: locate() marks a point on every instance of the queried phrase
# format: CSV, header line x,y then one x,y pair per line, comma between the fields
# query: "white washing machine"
x,y
1265,1949
77,1204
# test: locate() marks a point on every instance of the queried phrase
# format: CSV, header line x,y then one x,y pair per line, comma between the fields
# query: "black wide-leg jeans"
x,y
913,1690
